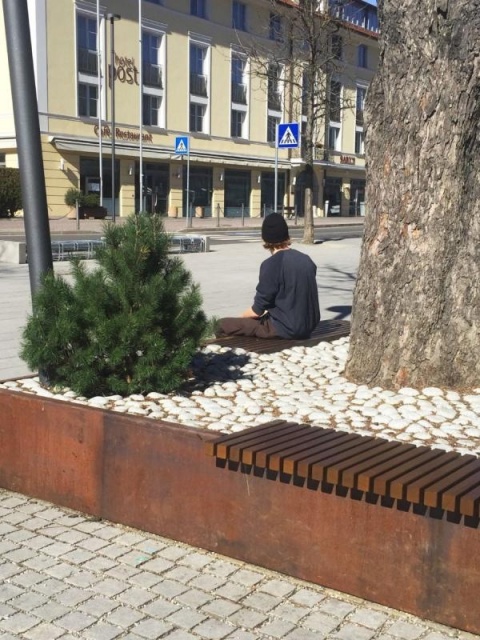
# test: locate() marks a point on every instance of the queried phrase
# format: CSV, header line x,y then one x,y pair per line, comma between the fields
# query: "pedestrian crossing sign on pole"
x,y
181,145
288,135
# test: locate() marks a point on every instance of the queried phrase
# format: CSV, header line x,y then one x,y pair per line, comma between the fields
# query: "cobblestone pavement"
x,y
64,575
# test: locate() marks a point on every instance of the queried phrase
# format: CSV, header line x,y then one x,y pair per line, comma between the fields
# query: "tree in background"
x,y
132,325
303,54
10,192
416,310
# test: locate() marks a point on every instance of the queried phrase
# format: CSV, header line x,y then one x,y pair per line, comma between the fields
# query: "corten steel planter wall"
x,y
156,477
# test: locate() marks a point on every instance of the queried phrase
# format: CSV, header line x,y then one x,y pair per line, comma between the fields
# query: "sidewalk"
x,y
65,575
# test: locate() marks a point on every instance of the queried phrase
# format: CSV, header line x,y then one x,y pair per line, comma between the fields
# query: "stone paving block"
x,y
288,611
33,523
104,531
145,579
181,634
19,555
50,611
212,629
109,587
98,606
278,588
196,561
173,552
277,628
51,586
207,582
194,598
129,539
6,610
135,597
368,617
221,568
261,601
158,565
101,631
335,607
26,578
351,631
320,622
73,537
19,536
135,558
247,618
304,634
168,588
150,546
233,591
15,518
60,570
50,513
40,563
240,634
81,578
246,577
160,608
307,597
78,556
221,607
151,629
181,574
6,528
93,526
44,631
122,572
99,563
112,550
75,621
18,623
28,600
8,591
72,596
58,549
436,635
124,617
186,618
405,630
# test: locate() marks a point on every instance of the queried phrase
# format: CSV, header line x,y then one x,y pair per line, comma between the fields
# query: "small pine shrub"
x,y
131,325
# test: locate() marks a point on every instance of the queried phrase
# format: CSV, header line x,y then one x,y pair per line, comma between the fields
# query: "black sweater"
x,y
287,289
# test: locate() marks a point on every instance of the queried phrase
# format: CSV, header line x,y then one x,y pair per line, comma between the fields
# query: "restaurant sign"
x,y
122,134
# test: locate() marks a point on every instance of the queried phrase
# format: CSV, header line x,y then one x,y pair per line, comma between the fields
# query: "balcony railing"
x,y
152,75
274,101
87,61
239,93
198,85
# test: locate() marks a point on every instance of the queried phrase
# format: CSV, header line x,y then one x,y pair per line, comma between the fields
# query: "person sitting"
x,y
286,298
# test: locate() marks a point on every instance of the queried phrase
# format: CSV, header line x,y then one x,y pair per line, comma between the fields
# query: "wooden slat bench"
x,y
391,470
326,331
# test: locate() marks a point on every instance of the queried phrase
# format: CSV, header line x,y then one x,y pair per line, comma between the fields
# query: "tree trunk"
x,y
416,310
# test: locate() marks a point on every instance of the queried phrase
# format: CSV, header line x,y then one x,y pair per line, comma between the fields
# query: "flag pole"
x,y
99,105
140,56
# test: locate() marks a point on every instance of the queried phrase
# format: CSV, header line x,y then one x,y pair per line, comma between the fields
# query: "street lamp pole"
x,y
112,17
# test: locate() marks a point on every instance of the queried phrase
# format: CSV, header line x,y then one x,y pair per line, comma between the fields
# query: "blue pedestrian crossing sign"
x,y
181,145
288,135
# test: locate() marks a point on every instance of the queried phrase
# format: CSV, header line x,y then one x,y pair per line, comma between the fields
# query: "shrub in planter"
x,y
10,192
73,195
131,325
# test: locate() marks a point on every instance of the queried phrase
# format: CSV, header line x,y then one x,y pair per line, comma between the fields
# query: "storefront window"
x,y
200,188
332,196
237,193
357,198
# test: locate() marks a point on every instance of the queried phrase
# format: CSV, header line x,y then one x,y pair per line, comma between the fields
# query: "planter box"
x,y
155,476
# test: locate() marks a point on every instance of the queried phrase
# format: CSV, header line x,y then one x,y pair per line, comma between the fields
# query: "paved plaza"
x,y
65,575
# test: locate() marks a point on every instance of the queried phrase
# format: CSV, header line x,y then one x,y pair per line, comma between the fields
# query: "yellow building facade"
x,y
152,105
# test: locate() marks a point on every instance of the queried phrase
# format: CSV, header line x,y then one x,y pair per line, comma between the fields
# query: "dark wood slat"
x,y
303,438
318,470
466,468
381,482
281,461
257,453
216,448
470,502
235,450
416,489
344,444
325,440
451,497
351,475
398,487
340,473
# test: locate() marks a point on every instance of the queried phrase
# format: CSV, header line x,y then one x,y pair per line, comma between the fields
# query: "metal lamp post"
x,y
112,17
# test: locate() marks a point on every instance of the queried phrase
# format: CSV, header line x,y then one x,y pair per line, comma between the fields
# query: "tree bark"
x,y
416,309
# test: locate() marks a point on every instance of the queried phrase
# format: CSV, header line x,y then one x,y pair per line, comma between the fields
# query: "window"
x,y
151,69
359,142
335,100
197,117
3,161
87,100
239,16
272,123
362,56
305,93
337,46
198,78
334,137
275,30
360,105
239,86
274,93
151,110
237,124
87,45
198,8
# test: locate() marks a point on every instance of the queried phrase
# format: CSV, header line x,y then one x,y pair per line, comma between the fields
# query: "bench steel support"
x,y
155,476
